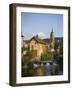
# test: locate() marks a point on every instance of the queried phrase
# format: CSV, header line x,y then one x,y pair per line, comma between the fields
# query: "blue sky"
x,y
41,24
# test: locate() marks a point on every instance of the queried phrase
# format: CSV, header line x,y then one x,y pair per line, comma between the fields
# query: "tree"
x,y
26,71
27,56
46,56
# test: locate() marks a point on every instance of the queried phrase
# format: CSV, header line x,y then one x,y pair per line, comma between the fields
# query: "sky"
x,y
41,24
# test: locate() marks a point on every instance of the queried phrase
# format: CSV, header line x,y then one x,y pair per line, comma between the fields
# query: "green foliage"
x,y
56,54
24,49
25,61
46,56
61,49
27,56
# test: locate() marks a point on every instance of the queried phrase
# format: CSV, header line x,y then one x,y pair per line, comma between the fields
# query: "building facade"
x,y
38,47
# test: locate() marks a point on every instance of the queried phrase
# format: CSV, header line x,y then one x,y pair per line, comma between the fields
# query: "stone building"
x,y
37,46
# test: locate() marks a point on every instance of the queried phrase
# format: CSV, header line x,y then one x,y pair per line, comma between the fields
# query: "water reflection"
x,y
47,69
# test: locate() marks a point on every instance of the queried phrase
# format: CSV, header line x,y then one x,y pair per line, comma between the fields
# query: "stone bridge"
x,y
37,64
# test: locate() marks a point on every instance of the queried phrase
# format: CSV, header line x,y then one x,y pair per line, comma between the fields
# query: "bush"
x,y
46,56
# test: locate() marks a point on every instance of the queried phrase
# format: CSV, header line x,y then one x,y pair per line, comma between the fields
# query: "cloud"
x,y
41,35
33,34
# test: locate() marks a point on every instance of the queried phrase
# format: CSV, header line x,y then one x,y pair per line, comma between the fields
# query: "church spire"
x,y
52,29
52,41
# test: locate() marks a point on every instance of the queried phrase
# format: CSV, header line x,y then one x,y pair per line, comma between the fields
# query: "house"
x,y
37,47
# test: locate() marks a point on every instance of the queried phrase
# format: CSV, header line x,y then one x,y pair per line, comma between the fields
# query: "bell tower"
x,y
52,40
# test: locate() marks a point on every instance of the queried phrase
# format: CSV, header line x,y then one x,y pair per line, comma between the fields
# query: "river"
x,y
44,70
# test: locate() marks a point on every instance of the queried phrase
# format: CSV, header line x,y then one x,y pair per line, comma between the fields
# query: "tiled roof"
x,y
38,40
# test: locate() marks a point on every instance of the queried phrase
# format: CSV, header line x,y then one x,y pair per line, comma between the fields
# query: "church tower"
x,y
52,40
